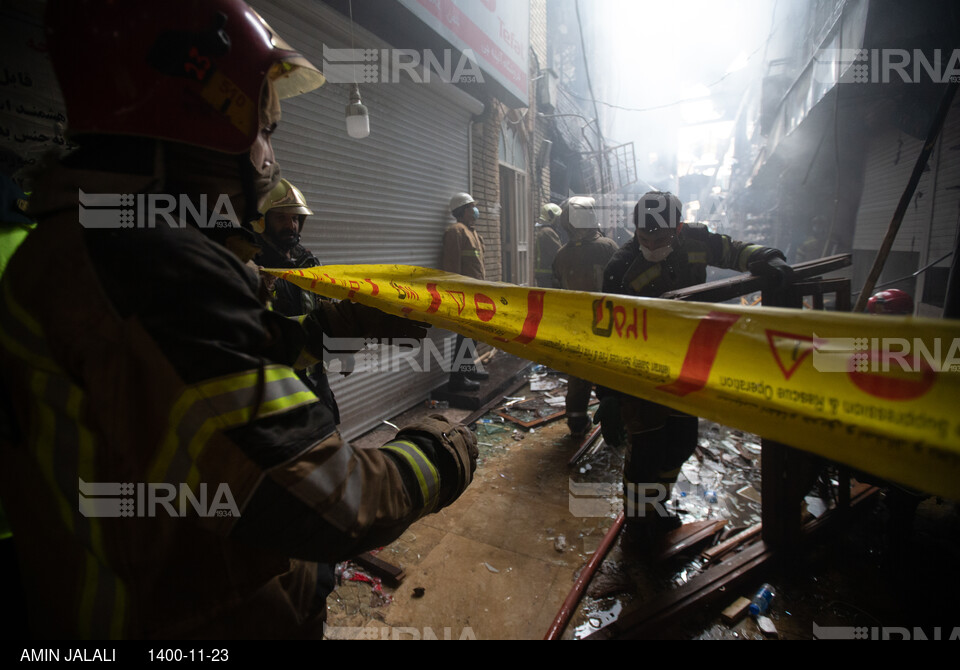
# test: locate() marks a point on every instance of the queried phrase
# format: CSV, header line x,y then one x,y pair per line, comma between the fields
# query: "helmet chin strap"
x,y
282,247
255,186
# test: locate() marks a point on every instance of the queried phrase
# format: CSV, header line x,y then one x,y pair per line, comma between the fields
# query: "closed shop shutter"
x,y
890,160
382,199
945,217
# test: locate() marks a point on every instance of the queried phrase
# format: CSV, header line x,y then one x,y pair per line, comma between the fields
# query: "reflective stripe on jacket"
x,y
463,251
175,477
629,273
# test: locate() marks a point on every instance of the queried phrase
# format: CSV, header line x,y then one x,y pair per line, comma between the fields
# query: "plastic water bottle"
x,y
761,602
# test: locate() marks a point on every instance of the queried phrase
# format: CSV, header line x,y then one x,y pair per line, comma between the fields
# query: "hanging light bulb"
x,y
358,121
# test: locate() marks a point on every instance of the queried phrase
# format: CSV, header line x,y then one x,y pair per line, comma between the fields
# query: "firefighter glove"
x,y
770,263
455,449
382,326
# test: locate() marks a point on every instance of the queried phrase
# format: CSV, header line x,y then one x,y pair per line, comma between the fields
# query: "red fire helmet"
x,y
189,71
891,301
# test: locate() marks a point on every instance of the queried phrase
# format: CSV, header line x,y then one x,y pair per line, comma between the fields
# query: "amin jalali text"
x,y
69,654
164,654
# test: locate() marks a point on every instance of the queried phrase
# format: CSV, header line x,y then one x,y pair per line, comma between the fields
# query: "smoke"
x,y
672,76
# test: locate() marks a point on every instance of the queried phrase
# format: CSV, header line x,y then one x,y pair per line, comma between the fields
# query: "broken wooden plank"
x,y
584,446
597,446
711,554
688,535
535,422
644,621
736,610
482,411
390,573
725,289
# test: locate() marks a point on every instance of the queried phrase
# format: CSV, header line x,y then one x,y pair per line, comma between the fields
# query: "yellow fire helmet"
x,y
549,212
287,197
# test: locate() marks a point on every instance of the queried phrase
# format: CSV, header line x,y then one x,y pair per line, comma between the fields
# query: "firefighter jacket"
x,y
579,265
463,251
547,243
629,273
335,329
288,299
14,227
171,476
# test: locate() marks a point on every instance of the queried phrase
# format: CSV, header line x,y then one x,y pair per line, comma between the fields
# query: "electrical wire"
x,y
911,276
593,97
350,5
656,107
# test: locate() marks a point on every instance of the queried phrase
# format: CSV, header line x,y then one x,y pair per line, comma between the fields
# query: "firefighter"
x,y
547,244
579,266
14,222
891,301
174,478
665,254
333,327
463,255
15,225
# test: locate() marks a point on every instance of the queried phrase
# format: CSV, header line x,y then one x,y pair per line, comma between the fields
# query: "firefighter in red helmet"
x,y
890,301
167,474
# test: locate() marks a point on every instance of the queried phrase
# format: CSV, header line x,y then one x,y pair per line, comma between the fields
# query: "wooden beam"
x,y
645,621
733,287
391,574
590,439
711,554
495,402
689,535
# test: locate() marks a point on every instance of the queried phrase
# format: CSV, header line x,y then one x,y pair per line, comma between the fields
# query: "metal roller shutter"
x,y
382,199
890,160
946,205
945,217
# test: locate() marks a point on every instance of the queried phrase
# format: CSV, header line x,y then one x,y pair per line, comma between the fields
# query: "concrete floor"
x,y
499,562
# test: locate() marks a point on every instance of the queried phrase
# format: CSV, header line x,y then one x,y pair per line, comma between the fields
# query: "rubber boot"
x,y
644,494
577,401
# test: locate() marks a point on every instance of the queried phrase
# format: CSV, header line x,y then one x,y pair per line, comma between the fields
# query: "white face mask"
x,y
656,255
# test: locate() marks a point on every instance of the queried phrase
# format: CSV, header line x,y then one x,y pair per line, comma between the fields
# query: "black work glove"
x,y
771,263
455,451
398,326
383,326
610,420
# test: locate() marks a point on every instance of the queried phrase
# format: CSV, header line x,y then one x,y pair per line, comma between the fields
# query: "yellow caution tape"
x,y
877,393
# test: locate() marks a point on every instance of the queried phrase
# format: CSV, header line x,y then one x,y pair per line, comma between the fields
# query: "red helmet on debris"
x,y
189,71
891,301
